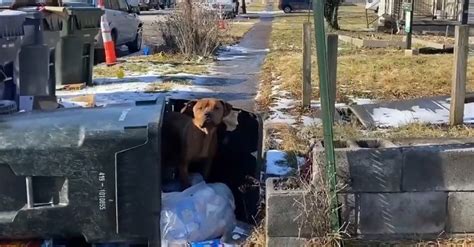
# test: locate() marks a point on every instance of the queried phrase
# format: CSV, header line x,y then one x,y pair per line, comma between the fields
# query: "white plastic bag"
x,y
201,212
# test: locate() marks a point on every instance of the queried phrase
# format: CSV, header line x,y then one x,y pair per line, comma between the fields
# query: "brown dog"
x,y
192,135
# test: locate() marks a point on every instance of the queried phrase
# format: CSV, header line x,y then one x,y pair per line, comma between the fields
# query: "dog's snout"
x,y
207,114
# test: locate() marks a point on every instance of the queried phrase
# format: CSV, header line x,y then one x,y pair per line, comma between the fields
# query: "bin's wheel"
x,y
7,107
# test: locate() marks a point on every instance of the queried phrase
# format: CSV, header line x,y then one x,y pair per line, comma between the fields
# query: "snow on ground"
x,y
433,110
390,117
276,163
116,91
229,53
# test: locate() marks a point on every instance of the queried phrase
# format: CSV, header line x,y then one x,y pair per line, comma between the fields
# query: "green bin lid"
x,y
11,23
85,17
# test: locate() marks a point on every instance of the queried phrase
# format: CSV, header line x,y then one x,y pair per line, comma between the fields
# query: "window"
x,y
112,4
122,5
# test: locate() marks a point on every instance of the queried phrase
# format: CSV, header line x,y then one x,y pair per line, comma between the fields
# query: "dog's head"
x,y
207,113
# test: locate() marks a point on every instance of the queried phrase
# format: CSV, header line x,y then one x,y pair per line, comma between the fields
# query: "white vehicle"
x,y
227,8
123,20
125,25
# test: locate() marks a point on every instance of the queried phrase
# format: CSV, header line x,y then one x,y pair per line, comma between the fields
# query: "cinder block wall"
x,y
396,191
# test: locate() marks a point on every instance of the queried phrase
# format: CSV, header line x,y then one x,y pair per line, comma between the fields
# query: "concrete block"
x,y
460,212
348,214
286,242
364,169
411,52
351,40
438,169
382,43
284,212
402,213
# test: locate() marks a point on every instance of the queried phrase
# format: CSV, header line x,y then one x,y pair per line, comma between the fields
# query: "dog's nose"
x,y
207,114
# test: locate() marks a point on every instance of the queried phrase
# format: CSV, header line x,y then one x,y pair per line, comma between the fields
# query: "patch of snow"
x,y
276,163
280,117
390,117
362,101
310,121
117,93
240,49
317,104
229,58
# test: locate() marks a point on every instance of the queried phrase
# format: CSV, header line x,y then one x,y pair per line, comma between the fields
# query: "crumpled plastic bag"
x,y
201,212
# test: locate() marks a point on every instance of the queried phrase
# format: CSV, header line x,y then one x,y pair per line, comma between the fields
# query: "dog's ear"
x,y
227,108
188,108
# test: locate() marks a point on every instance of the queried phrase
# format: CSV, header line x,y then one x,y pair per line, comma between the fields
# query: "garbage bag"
x,y
201,212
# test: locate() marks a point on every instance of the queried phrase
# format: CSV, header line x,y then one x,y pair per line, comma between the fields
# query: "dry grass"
x,y
160,63
353,18
369,73
165,85
235,31
259,6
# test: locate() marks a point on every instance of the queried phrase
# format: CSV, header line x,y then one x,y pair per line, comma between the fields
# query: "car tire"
x,y
136,44
287,9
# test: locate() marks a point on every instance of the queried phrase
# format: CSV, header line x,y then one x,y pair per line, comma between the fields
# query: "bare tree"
x,y
331,8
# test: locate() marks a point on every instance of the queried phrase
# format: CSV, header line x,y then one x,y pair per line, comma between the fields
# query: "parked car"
x,y
146,5
123,20
228,8
289,6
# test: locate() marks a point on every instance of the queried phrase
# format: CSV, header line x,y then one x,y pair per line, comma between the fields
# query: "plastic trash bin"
x,y
82,172
36,59
11,31
75,50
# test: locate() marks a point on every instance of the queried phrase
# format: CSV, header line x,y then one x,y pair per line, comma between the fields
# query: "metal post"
x,y
409,9
30,203
465,12
307,65
332,43
320,34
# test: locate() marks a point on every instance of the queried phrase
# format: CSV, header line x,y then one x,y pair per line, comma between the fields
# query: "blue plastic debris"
x,y
146,50
209,243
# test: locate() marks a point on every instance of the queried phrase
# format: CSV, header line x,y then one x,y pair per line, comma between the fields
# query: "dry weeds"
x,y
235,31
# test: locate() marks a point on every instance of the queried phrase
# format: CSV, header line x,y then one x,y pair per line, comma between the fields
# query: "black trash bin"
x,y
36,60
92,173
75,50
11,31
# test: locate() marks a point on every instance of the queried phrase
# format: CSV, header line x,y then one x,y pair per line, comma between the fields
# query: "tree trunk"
x,y
244,7
330,13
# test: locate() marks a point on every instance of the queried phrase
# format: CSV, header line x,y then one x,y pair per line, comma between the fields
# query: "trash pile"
x,y
202,215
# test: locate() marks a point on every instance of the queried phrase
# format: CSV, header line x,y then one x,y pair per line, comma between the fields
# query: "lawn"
x,y
172,63
368,73
259,6
384,74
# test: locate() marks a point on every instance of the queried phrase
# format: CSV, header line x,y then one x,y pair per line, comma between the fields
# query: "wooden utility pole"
x,y
461,50
332,43
307,90
458,89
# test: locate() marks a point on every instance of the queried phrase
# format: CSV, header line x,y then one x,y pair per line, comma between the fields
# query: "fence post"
x,y
458,89
307,65
332,44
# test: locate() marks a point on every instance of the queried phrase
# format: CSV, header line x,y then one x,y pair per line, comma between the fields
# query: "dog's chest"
x,y
203,147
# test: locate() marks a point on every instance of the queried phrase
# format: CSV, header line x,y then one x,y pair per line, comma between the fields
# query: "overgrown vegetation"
x,y
192,30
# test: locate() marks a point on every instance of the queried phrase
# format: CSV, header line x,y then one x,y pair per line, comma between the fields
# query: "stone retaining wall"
x,y
389,191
